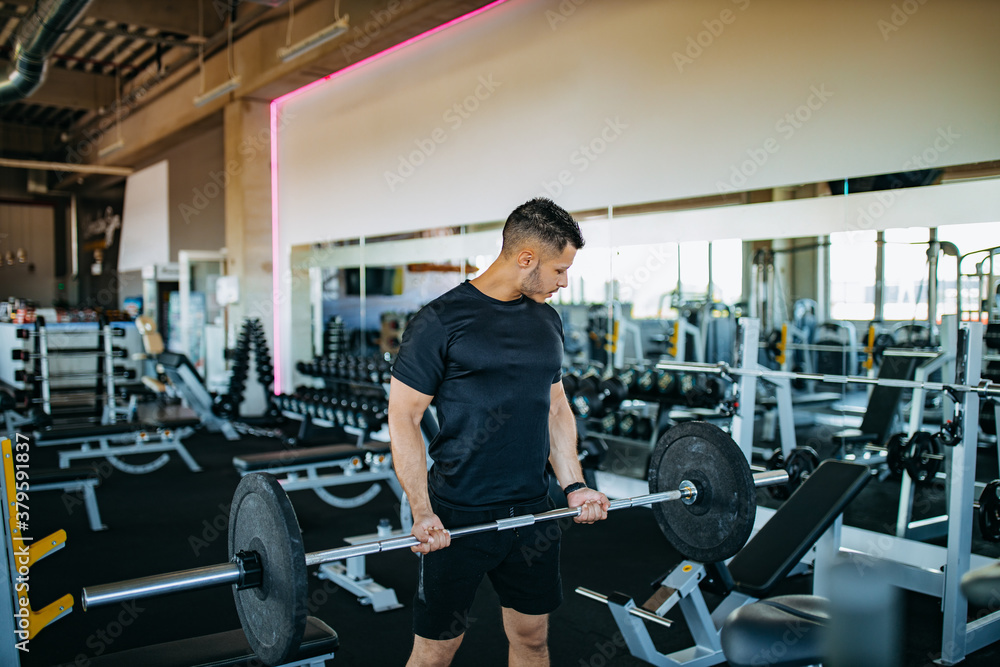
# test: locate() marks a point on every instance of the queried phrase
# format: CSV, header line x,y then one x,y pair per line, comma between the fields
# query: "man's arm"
x,y
406,409
565,462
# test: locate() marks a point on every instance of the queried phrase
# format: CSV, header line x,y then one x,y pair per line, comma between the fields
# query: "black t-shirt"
x,y
490,366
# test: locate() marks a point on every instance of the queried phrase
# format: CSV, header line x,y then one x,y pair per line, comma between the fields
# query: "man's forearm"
x,y
562,447
409,460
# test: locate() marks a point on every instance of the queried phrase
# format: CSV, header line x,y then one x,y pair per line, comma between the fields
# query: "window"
x,y
852,275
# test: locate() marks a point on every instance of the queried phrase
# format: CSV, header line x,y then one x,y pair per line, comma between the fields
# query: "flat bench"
x,y
299,469
82,480
158,430
223,649
300,459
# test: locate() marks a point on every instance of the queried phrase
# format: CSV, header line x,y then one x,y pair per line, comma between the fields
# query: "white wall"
x,y
466,124
672,128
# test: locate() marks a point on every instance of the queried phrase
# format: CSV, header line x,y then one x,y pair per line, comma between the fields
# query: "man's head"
x,y
541,239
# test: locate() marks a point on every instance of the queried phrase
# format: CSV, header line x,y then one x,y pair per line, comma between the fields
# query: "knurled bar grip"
x,y
228,573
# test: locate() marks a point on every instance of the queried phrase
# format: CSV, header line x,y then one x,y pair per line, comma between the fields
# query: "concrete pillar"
x,y
247,128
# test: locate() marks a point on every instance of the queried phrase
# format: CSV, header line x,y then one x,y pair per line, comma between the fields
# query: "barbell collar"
x,y
230,573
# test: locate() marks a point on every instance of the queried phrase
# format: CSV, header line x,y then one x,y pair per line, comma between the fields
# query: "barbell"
x,y
985,388
695,464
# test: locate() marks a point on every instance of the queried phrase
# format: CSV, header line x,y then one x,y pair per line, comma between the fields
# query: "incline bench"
x,y
766,560
223,649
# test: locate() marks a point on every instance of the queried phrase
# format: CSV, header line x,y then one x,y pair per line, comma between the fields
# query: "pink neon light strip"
x,y
275,244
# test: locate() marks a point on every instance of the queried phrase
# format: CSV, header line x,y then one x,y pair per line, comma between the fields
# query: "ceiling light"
x,y
111,148
220,90
333,30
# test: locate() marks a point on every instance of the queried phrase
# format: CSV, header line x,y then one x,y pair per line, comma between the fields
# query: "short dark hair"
x,y
544,221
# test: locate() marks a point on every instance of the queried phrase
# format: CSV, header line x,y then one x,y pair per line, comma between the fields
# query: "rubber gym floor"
x,y
170,519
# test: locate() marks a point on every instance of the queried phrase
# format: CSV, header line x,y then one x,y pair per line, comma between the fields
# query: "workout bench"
x,y
776,551
224,649
301,469
157,431
82,481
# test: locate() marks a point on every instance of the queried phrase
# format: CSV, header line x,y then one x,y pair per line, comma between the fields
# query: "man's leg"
x,y
528,637
433,653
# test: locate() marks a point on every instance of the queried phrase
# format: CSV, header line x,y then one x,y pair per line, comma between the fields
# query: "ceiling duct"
x,y
38,34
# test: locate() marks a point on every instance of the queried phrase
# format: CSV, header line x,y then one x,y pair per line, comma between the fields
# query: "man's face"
x,y
548,275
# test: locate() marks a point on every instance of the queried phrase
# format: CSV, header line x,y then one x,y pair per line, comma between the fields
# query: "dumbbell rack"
x,y
351,396
251,339
40,353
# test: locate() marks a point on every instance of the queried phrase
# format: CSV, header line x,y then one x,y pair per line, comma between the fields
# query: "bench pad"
x,y
307,456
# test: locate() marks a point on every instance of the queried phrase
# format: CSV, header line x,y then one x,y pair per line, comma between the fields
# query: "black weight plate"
x,y
989,512
802,462
273,615
777,462
921,469
896,455
717,525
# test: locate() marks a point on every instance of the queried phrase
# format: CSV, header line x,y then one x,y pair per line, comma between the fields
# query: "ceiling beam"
x,y
17,139
72,89
174,16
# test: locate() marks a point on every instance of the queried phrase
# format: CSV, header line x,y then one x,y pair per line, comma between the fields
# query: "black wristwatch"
x,y
575,486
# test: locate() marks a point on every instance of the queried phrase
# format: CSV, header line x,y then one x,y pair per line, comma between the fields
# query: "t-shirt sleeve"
x,y
420,362
562,339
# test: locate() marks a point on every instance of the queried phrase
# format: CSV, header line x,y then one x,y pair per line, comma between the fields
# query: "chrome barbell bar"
x,y
230,573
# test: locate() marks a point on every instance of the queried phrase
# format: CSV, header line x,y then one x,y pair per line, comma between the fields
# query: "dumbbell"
x,y
647,380
571,383
595,397
592,452
629,377
666,383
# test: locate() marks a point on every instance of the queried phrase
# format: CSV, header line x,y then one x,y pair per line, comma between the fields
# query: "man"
x,y
489,354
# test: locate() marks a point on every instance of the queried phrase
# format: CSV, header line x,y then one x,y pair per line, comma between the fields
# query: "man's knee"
x,y
433,653
528,632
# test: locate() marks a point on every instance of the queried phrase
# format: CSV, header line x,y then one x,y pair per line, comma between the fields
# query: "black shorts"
x,y
522,564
